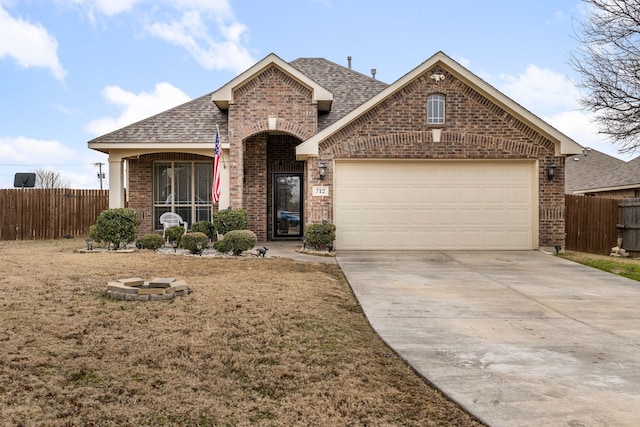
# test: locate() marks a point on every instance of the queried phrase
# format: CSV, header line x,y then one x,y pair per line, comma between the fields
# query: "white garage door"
x,y
440,205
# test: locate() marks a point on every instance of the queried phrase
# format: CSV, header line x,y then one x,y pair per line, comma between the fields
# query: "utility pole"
x,y
101,175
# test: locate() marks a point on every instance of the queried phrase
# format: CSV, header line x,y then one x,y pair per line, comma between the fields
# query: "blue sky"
x,y
71,70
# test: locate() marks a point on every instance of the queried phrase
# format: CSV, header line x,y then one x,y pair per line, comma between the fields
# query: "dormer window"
x,y
435,109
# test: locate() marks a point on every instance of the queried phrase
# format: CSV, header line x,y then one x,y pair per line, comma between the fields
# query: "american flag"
x,y
215,188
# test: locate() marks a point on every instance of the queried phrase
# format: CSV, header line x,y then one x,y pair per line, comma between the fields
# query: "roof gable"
x,y
223,97
564,145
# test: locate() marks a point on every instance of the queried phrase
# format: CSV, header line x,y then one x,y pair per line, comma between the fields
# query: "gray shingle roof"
x,y
195,121
595,170
350,88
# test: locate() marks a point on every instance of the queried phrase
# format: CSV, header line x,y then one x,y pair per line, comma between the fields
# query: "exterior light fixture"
x,y
551,170
174,244
199,247
89,242
323,170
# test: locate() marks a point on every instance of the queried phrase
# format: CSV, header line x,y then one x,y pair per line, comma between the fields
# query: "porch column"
x,y
225,181
116,182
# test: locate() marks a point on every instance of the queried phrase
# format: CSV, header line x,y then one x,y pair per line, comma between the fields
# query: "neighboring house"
x,y
598,174
439,159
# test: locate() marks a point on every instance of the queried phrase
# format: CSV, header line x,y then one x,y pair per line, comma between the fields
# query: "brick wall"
x,y
475,128
271,94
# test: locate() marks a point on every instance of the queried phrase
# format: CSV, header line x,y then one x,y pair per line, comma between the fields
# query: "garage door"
x,y
439,205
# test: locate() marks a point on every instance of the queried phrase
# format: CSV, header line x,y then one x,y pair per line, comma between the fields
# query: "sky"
x,y
72,70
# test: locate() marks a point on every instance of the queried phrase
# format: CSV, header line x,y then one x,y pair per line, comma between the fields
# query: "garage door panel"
x,y
434,205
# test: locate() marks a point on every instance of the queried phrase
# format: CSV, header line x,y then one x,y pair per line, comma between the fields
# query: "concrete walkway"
x,y
516,338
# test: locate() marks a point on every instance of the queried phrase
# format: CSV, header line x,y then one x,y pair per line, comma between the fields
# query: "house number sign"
x,y
320,191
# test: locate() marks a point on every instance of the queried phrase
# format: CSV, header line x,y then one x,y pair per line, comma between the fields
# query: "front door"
x,y
287,215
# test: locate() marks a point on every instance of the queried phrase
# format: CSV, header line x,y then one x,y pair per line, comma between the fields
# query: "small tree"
x,y
117,226
50,179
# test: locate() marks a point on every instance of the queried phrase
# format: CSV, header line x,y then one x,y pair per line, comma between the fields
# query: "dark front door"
x,y
287,212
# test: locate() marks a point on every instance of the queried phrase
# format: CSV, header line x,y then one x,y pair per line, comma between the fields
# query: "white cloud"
x,y
580,126
136,107
192,34
29,44
24,154
542,91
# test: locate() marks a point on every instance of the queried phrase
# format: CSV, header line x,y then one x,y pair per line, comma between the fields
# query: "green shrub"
x,y
230,219
151,241
190,241
94,233
205,227
221,246
174,232
236,241
320,236
117,225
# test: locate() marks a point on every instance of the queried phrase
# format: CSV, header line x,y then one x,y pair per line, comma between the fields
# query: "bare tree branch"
x,y
50,179
609,62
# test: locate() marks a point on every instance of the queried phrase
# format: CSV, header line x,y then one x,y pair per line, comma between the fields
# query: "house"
x,y
597,174
438,159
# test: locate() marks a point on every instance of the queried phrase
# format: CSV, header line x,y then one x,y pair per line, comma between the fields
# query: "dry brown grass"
x,y
258,342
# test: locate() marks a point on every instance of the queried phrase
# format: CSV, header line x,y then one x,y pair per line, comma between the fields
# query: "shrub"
x,y
205,227
236,241
230,219
174,232
190,241
151,241
320,236
117,225
94,233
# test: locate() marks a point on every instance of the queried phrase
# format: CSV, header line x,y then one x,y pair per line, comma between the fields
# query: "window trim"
x,y
172,205
434,116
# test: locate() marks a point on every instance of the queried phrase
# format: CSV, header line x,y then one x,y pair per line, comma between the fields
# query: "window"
x,y
183,188
435,109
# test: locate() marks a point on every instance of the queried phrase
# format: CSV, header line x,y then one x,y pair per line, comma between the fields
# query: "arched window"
x,y
435,109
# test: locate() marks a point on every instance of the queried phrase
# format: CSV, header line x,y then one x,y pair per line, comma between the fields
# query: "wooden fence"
x,y
49,213
629,225
591,224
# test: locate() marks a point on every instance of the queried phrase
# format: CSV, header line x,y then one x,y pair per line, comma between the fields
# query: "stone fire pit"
x,y
136,289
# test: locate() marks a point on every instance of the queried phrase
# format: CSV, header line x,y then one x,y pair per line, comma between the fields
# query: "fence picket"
x,y
33,213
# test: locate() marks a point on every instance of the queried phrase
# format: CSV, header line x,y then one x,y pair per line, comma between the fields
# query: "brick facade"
x,y
272,94
475,129
271,113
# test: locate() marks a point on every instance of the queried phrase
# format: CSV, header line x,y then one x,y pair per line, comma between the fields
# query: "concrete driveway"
x,y
516,338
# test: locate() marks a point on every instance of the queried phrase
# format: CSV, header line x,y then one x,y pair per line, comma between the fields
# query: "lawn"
x,y
258,342
627,267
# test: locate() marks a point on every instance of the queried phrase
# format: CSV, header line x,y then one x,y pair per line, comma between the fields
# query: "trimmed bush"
x,y
236,241
205,227
151,241
190,241
117,225
230,219
174,232
320,236
94,233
